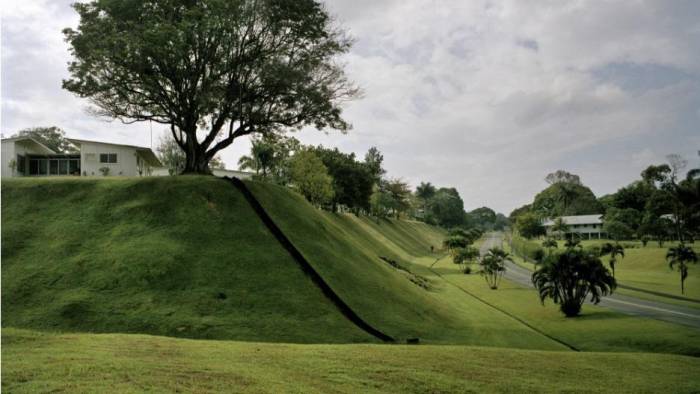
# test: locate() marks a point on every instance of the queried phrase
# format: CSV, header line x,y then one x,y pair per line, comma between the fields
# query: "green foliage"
x,y
352,180
617,230
454,243
214,68
270,157
560,227
373,161
529,225
465,256
104,171
564,199
680,257
568,278
493,266
399,195
550,243
633,196
310,177
52,137
446,208
614,251
525,248
486,219
425,191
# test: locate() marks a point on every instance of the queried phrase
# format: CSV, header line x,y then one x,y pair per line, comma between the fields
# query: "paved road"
x,y
620,303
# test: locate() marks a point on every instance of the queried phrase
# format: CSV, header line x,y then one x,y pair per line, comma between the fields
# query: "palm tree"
x,y
680,256
493,266
568,278
560,227
613,250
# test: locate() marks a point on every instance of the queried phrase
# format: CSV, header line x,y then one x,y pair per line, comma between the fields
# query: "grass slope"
x,y
77,363
182,256
346,251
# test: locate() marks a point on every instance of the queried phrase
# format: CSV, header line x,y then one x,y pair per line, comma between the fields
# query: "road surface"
x,y
620,303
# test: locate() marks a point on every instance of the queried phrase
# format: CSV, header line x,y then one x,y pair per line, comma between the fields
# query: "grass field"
x,y
597,329
43,362
642,267
187,257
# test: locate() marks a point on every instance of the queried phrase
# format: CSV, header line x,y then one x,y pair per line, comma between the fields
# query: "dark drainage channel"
x,y
305,265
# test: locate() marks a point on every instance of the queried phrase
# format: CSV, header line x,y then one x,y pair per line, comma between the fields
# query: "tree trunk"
x,y
197,161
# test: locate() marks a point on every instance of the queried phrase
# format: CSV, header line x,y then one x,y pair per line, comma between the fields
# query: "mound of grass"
x,y
347,251
34,362
177,256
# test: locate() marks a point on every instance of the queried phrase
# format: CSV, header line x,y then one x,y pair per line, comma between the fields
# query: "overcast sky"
x,y
485,96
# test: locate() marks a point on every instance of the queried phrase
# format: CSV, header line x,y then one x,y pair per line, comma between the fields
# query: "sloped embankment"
x,y
183,256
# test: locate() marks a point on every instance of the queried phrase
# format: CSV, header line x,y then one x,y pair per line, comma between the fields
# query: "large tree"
x,y
529,225
172,157
213,70
446,208
352,180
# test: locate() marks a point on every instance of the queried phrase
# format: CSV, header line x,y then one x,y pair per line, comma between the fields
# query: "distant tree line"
x,y
662,205
339,181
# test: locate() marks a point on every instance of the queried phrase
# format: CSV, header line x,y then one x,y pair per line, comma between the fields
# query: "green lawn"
x,y
597,329
642,267
87,363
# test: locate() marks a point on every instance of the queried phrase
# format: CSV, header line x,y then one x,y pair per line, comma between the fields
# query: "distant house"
x,y
587,226
25,156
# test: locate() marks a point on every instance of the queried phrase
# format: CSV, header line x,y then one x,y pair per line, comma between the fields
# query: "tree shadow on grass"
x,y
601,315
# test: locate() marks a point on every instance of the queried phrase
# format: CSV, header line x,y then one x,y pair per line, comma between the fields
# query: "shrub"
x,y
104,171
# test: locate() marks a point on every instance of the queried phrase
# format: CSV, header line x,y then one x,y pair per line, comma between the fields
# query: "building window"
x,y
108,157
20,164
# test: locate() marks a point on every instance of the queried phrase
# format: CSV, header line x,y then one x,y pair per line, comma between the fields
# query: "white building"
x,y
25,156
587,226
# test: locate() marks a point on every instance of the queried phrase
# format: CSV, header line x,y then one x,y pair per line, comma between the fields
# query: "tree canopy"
x,y
213,70
52,137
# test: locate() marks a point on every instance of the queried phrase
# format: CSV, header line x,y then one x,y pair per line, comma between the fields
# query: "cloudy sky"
x,y
487,96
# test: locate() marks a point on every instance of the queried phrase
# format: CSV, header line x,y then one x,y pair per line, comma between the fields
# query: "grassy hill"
x,y
347,251
188,257
122,363
181,256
